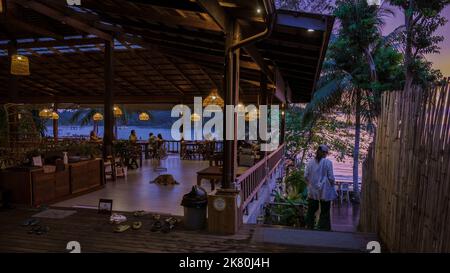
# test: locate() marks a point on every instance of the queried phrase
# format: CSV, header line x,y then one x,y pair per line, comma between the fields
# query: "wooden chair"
x,y
110,167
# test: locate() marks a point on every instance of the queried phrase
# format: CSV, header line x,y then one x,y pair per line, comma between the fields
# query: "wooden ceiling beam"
x,y
63,18
57,43
220,16
120,99
9,21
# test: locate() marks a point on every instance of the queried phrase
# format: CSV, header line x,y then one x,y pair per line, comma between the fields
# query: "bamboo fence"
x,y
406,175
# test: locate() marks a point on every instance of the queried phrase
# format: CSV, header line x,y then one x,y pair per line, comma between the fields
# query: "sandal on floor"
x,y
156,217
34,229
121,228
156,226
38,230
30,222
171,220
137,225
139,213
167,227
42,230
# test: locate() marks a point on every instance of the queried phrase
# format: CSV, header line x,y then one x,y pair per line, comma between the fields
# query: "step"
x,y
346,241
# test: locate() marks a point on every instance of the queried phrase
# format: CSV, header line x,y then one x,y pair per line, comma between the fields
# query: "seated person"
x,y
152,144
93,137
133,136
160,140
151,139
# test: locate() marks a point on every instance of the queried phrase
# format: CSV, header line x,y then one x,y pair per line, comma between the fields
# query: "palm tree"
x,y
350,76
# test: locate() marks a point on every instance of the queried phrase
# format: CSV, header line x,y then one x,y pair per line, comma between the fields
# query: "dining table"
x,y
214,174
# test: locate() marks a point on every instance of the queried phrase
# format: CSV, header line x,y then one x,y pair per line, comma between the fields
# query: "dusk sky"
x,y
441,61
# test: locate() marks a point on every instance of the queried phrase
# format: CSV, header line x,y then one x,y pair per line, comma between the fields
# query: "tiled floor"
x,y
136,193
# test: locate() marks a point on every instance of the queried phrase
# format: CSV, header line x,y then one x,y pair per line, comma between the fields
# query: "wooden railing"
x,y
251,181
172,146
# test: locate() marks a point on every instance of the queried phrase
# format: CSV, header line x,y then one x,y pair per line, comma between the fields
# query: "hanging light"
x,y
240,107
97,117
144,116
45,113
117,111
252,115
20,66
54,116
374,2
213,99
195,117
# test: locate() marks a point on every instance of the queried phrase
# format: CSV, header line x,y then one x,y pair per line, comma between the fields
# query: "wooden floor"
x,y
95,234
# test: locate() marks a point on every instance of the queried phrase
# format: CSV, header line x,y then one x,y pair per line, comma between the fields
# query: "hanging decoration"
x,y
195,117
252,115
45,113
117,111
240,107
97,117
54,116
20,65
213,99
144,116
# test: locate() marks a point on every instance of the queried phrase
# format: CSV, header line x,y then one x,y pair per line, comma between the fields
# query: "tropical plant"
x,y
422,19
360,65
316,6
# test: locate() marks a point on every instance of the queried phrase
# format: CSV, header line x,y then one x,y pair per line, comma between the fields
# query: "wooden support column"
x,y
283,123
108,100
224,205
55,123
231,93
264,101
13,117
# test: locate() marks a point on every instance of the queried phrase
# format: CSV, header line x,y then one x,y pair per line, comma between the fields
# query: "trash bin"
x,y
194,204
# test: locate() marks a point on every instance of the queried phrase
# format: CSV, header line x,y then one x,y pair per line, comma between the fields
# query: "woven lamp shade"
x,y
117,111
252,115
213,99
144,116
97,117
45,113
195,117
54,115
20,66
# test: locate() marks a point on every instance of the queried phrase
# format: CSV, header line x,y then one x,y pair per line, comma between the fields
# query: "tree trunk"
x,y
356,148
408,48
372,65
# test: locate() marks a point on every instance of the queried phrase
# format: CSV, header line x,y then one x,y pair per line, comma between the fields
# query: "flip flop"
x,y
156,226
139,213
42,230
121,228
172,220
156,217
34,229
167,227
30,222
137,225
39,230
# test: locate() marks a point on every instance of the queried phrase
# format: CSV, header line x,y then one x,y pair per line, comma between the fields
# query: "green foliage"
x,y
422,19
288,207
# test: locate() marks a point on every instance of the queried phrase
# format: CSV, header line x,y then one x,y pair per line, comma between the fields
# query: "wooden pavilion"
x,y
154,51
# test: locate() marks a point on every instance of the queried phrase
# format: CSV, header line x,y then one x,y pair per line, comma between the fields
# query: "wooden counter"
x,y
31,186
